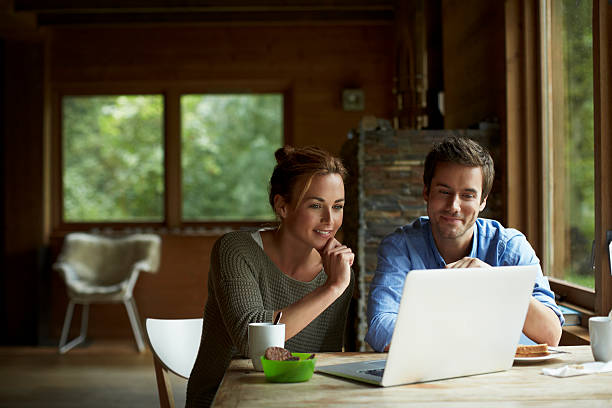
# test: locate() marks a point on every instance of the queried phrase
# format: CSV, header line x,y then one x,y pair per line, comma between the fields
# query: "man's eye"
x,y
468,196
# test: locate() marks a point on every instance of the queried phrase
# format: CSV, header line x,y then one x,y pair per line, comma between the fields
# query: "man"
x,y
457,180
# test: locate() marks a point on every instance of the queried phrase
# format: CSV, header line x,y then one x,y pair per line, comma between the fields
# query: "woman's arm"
x,y
240,301
337,260
234,287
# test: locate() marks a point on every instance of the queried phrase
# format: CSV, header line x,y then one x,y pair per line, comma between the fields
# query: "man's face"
x,y
454,201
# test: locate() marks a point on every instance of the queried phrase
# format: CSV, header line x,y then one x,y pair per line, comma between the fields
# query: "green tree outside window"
x,y
112,154
227,155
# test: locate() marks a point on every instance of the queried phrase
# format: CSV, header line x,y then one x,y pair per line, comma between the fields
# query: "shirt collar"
x,y
474,250
432,244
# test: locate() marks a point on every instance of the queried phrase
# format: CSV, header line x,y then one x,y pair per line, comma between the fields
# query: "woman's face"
x,y
318,216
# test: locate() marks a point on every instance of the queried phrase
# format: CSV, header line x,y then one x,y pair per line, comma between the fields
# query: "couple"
x,y
301,270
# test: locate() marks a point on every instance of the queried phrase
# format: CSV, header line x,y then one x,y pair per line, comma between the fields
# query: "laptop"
x,y
451,323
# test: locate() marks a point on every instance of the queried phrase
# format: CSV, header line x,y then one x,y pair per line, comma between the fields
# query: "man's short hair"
x,y
463,151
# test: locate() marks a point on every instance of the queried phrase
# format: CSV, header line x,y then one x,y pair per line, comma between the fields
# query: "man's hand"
x,y
468,262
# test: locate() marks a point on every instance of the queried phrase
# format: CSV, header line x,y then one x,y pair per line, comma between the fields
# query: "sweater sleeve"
x,y
237,290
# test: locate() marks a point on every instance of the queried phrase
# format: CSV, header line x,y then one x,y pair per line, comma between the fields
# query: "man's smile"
x,y
451,219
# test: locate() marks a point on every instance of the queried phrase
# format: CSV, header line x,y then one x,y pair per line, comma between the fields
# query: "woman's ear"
x,y
280,206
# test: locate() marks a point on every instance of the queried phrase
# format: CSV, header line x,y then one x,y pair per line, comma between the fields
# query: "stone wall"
x,y
385,191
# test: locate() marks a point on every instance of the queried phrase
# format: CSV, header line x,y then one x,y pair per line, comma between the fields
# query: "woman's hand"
x,y
337,261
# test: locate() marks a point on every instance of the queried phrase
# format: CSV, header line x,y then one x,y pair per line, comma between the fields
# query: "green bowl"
x,y
289,371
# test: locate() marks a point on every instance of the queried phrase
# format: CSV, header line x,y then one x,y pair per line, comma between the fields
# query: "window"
x,y
112,158
558,158
569,140
227,155
121,163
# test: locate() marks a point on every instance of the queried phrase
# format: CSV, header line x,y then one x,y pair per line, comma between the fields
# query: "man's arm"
x,y
542,324
386,292
544,319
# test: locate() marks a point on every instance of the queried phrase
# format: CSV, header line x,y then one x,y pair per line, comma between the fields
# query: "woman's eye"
x,y
338,207
315,205
468,196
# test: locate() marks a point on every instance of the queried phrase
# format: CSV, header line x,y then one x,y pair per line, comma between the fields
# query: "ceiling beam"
x,y
113,12
164,6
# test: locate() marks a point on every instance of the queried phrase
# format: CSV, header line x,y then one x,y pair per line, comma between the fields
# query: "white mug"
x,y
600,331
262,336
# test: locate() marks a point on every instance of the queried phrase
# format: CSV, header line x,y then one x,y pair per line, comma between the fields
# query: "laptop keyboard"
x,y
378,372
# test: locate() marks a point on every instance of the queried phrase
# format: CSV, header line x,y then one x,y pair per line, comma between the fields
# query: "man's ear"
x,y
280,206
483,204
425,193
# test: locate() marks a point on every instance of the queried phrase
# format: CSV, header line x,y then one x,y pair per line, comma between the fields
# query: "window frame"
x,y
527,123
171,94
551,125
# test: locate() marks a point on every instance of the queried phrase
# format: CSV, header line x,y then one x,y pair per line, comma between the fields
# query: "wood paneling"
x,y
311,65
473,55
21,107
314,63
209,12
602,47
58,6
172,159
524,122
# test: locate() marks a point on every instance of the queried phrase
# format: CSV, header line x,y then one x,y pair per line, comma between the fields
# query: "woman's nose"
x,y
326,216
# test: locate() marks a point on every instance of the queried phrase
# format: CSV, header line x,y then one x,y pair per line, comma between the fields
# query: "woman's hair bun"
x,y
283,153
294,164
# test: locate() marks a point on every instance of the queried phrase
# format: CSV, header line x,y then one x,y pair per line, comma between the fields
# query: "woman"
x,y
299,269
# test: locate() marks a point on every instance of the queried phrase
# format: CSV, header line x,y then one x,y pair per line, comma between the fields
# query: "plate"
x,y
534,359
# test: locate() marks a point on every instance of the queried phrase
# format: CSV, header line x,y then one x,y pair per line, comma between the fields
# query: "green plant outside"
x,y
579,138
113,157
227,155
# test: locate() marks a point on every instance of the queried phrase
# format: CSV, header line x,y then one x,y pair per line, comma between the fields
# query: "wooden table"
x,y
522,385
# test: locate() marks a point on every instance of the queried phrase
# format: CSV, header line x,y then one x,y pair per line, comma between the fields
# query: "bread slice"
x,y
536,350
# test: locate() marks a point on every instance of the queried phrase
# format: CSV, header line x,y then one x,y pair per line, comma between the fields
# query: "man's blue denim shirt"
x,y
412,247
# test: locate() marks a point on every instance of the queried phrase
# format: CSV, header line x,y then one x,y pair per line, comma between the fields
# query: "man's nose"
x,y
455,203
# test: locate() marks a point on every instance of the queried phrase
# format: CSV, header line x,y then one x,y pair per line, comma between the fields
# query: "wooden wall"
x,y
311,63
473,47
474,59
21,158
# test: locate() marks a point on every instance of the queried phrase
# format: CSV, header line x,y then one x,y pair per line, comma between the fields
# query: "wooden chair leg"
x,y
164,387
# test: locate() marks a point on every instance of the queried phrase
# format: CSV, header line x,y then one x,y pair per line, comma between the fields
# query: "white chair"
x,y
175,344
98,269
